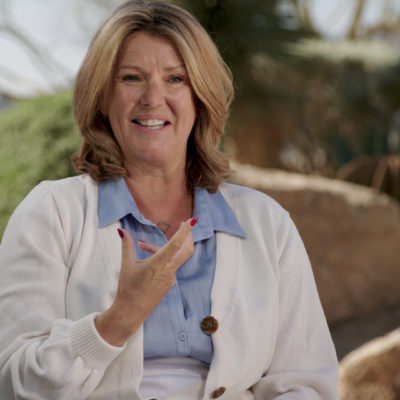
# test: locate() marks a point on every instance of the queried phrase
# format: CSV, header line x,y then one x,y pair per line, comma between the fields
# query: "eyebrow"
x,y
137,68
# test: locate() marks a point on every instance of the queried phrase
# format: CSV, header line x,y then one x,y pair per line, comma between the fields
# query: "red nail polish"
x,y
121,233
140,241
193,222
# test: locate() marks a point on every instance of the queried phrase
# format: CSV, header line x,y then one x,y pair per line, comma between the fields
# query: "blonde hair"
x,y
211,80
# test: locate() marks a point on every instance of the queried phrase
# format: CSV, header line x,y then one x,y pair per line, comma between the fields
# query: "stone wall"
x,y
351,232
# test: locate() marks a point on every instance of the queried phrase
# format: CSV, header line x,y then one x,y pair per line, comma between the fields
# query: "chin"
x,y
155,158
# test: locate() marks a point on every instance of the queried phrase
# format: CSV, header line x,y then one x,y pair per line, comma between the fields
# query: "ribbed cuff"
x,y
90,346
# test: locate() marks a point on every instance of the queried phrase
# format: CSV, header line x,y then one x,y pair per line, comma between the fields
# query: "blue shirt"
x,y
173,328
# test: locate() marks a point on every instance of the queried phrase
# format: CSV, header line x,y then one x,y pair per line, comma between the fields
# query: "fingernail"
x,y
140,241
193,222
121,233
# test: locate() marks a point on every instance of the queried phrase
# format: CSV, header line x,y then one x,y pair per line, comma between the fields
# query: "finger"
x,y
148,247
166,253
183,254
128,256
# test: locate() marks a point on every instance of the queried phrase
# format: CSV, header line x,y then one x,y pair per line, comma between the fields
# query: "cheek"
x,y
189,108
193,114
184,99
123,98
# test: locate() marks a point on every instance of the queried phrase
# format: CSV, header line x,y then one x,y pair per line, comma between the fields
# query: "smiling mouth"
x,y
151,123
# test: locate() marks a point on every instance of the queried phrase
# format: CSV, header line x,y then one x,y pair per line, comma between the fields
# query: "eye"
x,y
176,79
130,78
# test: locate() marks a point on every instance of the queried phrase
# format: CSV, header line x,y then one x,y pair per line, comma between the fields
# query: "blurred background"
x,y
315,124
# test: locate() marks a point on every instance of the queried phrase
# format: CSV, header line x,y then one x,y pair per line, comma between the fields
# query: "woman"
x,y
210,295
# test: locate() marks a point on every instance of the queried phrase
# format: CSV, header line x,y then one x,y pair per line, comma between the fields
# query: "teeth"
x,y
150,122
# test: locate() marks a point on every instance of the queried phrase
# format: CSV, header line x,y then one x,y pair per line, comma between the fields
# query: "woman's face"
x,y
151,106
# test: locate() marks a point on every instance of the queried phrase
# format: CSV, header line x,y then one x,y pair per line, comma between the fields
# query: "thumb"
x,y
128,248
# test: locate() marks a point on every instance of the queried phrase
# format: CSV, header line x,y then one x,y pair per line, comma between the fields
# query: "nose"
x,y
152,95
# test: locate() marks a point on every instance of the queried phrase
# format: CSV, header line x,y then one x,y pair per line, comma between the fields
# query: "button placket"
x,y
183,336
178,320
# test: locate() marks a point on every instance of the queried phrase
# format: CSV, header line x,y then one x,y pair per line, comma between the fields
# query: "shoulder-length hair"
x,y
99,154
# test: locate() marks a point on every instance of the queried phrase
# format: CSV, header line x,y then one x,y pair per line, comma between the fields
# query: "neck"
x,y
161,197
145,183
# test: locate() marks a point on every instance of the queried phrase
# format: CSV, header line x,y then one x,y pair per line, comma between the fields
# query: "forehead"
x,y
146,47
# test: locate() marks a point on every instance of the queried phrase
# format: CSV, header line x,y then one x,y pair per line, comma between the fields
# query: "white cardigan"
x,y
58,269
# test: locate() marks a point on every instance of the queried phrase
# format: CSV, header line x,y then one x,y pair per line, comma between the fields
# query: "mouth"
x,y
151,124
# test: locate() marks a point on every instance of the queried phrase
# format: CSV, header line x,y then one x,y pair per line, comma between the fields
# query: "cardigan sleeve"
x,y
43,355
304,365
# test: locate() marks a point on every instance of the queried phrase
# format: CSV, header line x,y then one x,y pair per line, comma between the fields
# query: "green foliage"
x,y
37,140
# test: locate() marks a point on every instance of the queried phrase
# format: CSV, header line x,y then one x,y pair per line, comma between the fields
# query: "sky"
x,y
64,28
332,17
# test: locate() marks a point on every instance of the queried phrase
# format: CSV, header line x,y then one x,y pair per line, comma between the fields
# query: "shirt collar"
x,y
214,213
115,201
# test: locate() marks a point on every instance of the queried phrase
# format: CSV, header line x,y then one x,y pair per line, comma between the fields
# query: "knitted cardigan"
x,y
58,270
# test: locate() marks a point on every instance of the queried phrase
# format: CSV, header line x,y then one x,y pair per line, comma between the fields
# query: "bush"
x,y
37,139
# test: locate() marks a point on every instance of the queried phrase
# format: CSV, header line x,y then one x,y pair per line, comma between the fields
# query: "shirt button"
x,y
209,325
218,392
183,336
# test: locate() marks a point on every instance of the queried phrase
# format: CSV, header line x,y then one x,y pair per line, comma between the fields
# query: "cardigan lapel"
x,y
226,273
110,246
225,368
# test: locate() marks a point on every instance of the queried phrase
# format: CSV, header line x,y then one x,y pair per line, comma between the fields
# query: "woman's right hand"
x,y
143,284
